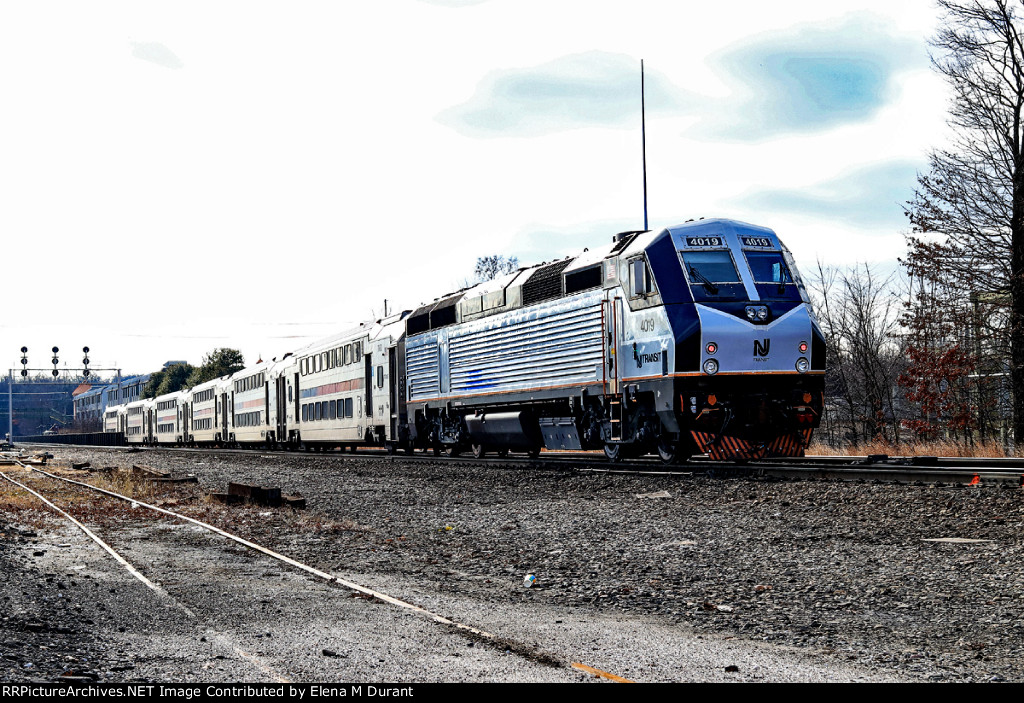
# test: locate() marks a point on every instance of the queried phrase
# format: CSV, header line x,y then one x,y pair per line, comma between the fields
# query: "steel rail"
x,y
334,579
929,469
160,592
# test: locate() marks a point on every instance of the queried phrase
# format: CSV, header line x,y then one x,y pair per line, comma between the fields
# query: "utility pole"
x,y
10,406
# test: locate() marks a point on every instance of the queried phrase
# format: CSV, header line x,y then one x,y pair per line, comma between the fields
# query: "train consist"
x,y
696,338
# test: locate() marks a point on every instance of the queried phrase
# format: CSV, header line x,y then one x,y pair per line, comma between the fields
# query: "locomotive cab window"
x,y
710,266
712,275
769,267
640,282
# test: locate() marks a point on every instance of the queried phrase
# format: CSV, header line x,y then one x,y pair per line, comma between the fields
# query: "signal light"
x,y
712,347
803,347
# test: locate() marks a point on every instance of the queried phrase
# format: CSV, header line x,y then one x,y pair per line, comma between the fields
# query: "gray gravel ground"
x,y
724,580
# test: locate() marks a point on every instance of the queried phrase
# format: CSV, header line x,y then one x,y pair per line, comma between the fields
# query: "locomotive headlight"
x,y
756,313
710,367
802,365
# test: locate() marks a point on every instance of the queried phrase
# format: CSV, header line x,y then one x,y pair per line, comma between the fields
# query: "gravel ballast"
x,y
654,578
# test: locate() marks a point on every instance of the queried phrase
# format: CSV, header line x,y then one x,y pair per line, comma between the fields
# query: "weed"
x,y
931,448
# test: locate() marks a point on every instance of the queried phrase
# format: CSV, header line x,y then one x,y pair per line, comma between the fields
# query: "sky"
x,y
177,177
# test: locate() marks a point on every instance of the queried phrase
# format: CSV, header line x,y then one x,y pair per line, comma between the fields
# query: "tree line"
x,y
219,362
939,353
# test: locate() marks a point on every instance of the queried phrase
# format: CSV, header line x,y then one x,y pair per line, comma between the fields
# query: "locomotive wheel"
x,y
452,450
478,451
613,452
668,452
533,453
503,452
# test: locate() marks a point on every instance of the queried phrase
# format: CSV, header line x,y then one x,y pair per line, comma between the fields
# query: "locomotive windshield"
x,y
710,267
712,275
769,267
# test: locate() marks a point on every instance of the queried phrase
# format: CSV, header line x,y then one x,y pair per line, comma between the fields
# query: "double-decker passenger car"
x,y
169,425
138,422
205,415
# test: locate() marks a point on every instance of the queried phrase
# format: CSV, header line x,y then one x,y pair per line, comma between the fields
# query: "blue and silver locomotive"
x,y
691,339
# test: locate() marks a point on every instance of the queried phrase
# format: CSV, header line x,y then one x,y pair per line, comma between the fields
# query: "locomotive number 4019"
x,y
703,241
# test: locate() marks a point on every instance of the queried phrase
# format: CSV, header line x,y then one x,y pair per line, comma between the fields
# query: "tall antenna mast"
x,y
643,136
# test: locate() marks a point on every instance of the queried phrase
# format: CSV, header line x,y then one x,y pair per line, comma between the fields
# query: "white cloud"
x,y
293,169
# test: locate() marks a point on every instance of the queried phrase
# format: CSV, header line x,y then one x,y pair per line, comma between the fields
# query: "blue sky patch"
x,y
869,197
593,89
810,79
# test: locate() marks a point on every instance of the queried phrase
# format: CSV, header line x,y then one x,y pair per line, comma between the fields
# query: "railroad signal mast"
x,y
85,370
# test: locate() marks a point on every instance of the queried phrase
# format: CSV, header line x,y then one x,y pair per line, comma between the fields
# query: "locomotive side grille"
x,y
558,346
422,371
545,283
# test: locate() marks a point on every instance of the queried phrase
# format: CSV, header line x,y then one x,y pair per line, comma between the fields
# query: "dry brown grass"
x,y
87,506
123,482
932,448
22,508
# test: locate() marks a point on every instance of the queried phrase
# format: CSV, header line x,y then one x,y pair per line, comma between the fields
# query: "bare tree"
x,y
972,198
858,313
490,267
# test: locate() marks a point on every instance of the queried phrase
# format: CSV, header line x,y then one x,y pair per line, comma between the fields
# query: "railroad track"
x,y
707,533
1005,472
260,665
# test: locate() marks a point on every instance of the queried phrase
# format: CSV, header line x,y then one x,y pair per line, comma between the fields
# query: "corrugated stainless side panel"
x,y
556,345
422,369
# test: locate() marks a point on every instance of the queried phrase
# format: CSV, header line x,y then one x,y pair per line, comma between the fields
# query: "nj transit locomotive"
x,y
697,338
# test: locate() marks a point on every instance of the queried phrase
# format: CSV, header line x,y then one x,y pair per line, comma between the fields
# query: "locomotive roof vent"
x,y
622,239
